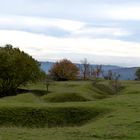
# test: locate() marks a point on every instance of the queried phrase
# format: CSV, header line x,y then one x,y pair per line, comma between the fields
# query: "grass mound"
x,y
62,92
65,97
21,98
46,116
78,91
112,118
104,89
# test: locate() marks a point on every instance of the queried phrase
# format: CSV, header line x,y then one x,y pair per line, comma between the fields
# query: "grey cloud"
x,y
84,10
49,31
98,59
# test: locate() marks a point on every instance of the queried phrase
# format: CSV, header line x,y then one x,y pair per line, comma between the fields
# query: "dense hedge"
x,y
47,116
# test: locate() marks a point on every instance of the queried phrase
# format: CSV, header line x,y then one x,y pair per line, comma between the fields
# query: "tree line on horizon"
x,y
17,68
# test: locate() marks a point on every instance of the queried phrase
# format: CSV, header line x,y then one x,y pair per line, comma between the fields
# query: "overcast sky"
x,y
103,31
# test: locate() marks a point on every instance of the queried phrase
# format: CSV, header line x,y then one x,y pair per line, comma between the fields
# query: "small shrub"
x,y
115,85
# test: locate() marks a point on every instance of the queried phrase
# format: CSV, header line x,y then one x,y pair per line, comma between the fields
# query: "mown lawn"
x,y
108,117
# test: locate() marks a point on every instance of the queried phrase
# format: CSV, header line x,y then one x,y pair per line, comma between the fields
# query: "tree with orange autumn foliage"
x,y
64,70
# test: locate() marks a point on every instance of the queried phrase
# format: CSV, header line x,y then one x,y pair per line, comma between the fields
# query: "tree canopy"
x,y
64,70
16,69
138,74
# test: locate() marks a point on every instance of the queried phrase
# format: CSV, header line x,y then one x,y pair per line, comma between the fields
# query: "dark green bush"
x,y
17,68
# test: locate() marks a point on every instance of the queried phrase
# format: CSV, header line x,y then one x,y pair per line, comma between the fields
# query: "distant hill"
x,y
126,73
46,66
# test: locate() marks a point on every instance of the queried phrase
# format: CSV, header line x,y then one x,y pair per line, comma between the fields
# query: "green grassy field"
x,y
72,111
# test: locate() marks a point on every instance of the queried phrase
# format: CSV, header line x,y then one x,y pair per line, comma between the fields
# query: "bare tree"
x,y
108,75
95,73
98,70
85,69
48,82
115,83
